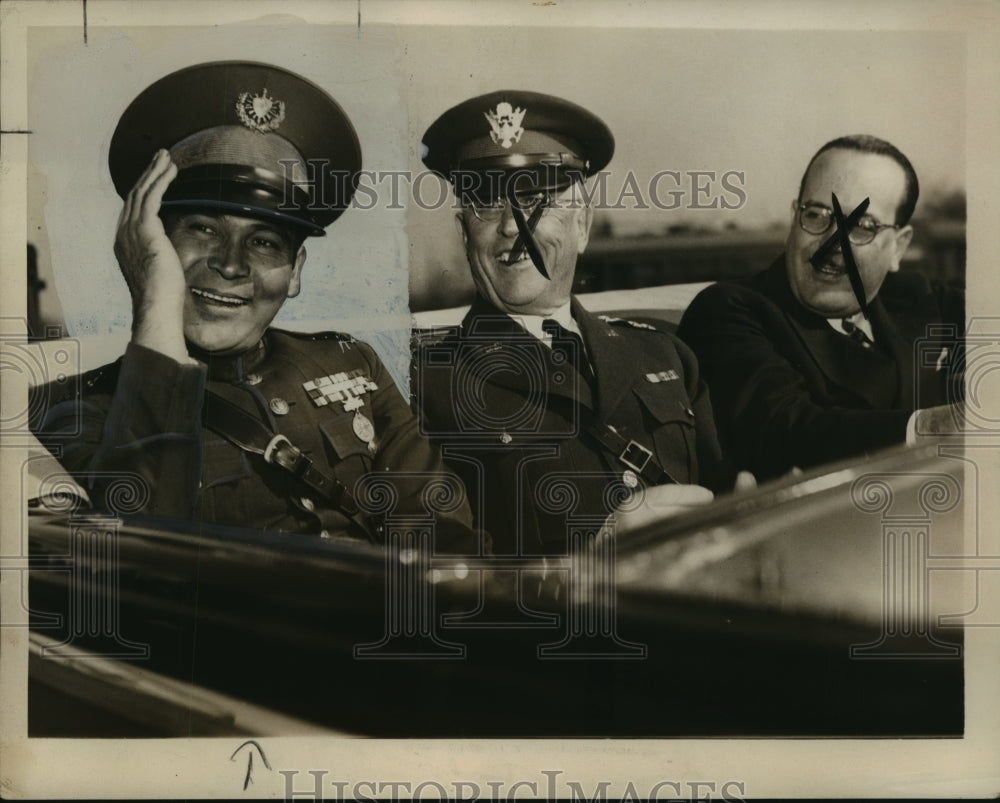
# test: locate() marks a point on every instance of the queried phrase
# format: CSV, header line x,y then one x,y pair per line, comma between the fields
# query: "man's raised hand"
x,y
150,265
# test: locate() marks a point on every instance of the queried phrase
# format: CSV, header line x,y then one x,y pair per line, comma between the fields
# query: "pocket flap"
x,y
339,433
666,401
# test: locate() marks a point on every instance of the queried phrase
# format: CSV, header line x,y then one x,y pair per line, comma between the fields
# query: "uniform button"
x,y
308,504
254,379
279,406
325,534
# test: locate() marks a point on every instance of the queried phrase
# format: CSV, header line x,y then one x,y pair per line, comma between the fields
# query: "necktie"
x,y
856,334
570,346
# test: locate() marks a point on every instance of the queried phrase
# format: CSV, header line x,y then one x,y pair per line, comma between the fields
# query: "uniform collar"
x,y
231,368
532,324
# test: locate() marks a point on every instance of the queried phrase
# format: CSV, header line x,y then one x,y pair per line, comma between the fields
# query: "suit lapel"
x,y
893,342
868,373
902,324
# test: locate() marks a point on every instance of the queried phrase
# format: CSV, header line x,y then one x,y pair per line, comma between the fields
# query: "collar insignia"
x,y
260,112
505,124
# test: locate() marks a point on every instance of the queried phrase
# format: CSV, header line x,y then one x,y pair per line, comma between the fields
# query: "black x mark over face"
x,y
503,269
835,266
525,242
842,237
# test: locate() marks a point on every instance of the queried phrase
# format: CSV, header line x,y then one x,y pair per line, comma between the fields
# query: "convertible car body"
x,y
824,604
806,607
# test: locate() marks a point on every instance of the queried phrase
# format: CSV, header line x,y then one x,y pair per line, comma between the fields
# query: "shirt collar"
x,y
533,323
859,321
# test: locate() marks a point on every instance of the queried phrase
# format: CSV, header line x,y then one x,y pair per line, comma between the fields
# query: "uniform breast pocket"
x,y
348,453
668,417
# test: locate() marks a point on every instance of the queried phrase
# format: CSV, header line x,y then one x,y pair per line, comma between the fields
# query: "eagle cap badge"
x,y
261,112
505,124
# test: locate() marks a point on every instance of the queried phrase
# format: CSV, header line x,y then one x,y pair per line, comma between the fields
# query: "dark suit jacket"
x,y
788,390
513,421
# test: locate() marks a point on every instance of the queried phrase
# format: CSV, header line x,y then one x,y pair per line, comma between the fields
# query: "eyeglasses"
x,y
817,219
490,211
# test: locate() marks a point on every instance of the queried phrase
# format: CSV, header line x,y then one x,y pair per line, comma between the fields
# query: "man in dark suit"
x,y
225,169
550,413
832,352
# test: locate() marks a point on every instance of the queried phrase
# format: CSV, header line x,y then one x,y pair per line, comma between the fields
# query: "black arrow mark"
x,y
249,776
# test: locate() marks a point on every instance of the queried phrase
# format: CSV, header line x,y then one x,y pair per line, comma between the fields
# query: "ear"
x,y
793,223
464,228
900,244
295,283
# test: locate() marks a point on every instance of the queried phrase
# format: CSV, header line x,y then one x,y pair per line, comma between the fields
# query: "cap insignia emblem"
x,y
260,112
505,124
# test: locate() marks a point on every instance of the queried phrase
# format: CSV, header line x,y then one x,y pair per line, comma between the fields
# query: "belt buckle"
x,y
282,452
646,455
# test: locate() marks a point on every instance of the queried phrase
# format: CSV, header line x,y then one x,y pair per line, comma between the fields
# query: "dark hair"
x,y
866,143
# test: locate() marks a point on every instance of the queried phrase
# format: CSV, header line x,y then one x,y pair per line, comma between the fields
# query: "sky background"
x,y
759,102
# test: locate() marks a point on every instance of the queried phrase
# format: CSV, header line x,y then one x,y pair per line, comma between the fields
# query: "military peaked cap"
x,y
247,138
512,130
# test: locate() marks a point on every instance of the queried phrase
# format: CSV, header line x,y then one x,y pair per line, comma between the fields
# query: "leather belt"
x,y
632,454
248,433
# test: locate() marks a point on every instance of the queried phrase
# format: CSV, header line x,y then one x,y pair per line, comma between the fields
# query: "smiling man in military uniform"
x,y
225,169
545,409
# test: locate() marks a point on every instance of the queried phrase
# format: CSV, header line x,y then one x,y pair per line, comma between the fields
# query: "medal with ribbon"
x,y
347,388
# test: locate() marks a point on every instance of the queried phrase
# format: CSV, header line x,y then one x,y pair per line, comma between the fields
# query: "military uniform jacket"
x,y
788,390
513,420
143,415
